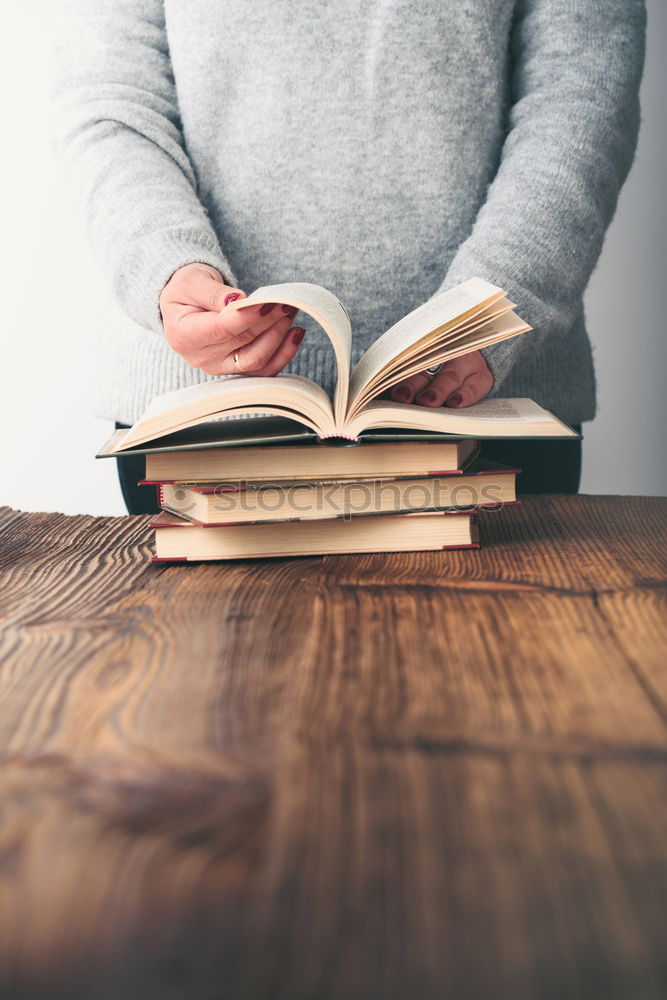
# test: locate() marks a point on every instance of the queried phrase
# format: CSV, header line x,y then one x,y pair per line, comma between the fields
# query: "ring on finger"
x,y
237,363
433,370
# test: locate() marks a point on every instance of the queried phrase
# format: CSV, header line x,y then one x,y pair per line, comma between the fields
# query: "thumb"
x,y
201,285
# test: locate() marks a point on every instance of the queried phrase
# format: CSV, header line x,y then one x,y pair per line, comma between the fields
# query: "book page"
x,y
471,296
285,395
441,336
201,392
462,342
327,310
521,417
521,408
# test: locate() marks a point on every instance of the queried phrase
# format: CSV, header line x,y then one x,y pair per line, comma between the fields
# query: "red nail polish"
x,y
290,311
233,297
266,308
455,400
297,336
428,396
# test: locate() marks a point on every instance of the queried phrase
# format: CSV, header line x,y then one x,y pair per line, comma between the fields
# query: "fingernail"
x,y
427,397
290,311
455,400
266,308
233,297
297,336
400,393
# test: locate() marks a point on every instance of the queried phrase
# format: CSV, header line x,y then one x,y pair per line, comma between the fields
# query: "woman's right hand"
x,y
198,327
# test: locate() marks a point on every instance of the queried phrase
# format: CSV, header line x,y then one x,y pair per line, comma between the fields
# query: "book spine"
x,y
338,436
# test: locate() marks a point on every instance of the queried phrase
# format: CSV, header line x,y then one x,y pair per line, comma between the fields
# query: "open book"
x,y
467,318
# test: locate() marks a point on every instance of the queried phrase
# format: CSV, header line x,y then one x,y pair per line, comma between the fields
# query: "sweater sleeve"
x,y
572,132
119,135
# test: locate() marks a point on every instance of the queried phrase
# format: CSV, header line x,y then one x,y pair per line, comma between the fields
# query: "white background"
x,y
52,294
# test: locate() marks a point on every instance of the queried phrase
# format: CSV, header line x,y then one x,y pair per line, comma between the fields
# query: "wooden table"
x,y
439,775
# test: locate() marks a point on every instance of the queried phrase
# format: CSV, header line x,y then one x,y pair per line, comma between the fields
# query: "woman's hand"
x,y
459,382
198,327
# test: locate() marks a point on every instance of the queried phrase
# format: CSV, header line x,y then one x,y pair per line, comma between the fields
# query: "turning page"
x,y
327,310
454,306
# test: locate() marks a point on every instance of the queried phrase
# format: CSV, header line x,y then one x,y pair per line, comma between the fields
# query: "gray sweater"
x,y
386,150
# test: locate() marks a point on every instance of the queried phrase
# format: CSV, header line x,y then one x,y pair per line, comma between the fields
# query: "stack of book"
x,y
413,495
258,467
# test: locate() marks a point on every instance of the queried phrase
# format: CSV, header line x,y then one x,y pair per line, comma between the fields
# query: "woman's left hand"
x,y
459,382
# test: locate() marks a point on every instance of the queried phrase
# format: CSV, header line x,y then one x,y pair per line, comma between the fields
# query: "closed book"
x,y
180,540
484,484
308,461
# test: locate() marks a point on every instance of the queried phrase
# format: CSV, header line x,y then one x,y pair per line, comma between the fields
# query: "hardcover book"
x,y
484,484
177,539
311,461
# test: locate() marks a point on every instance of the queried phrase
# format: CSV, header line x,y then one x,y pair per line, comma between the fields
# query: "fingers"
x,y
472,389
285,353
405,391
193,333
442,385
216,335
460,382
259,355
258,352
233,325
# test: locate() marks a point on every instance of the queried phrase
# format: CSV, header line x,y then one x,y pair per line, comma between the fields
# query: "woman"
x,y
386,151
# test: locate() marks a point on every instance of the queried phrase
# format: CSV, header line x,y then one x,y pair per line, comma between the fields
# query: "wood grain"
x,y
434,774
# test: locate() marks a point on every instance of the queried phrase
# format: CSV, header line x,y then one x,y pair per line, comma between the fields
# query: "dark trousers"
x,y
138,499
548,467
